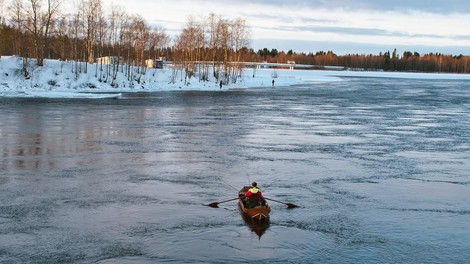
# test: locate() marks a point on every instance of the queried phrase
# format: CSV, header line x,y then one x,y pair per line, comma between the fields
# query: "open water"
x,y
379,167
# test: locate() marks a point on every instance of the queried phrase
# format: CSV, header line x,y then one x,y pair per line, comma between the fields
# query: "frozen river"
x,y
380,168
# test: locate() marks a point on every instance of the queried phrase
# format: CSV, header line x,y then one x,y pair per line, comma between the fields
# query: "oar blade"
x,y
291,205
214,205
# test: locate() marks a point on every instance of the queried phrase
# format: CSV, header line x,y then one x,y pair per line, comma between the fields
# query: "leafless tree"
x,y
92,11
2,24
34,27
39,22
62,43
213,26
101,37
212,40
49,17
117,23
2,16
102,33
141,42
241,40
191,43
223,46
16,17
159,40
77,32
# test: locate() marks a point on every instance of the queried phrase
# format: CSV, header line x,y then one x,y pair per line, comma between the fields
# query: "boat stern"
x,y
259,217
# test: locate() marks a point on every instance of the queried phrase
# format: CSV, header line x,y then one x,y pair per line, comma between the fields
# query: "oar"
x,y
289,205
215,204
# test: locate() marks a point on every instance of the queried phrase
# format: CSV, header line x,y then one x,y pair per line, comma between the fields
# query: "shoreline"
x,y
57,78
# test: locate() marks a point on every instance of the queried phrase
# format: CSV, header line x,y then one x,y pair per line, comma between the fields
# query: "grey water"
x,y
379,167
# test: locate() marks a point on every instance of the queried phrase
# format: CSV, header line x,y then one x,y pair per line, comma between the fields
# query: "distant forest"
x,y
386,61
37,29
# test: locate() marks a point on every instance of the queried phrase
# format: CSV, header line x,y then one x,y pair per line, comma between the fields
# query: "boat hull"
x,y
258,213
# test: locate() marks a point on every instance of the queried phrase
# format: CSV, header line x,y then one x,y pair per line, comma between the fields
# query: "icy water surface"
x,y
380,168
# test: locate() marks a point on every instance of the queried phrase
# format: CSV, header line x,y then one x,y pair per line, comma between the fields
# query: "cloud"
x,y
420,23
362,26
433,6
342,48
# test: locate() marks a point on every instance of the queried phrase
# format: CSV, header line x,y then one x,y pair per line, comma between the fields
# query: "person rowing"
x,y
253,197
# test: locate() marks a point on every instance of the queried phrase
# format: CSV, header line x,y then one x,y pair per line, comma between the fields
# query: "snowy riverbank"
x,y
56,79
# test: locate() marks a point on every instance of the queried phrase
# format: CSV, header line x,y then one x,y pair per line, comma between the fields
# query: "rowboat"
x,y
258,213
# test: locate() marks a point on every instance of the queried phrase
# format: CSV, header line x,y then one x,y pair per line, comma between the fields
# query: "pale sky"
x,y
343,26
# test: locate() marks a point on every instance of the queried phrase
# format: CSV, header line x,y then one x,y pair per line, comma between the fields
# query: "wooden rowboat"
x,y
258,213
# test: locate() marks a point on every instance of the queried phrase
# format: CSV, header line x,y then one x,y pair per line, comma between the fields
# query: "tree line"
x,y
386,61
38,29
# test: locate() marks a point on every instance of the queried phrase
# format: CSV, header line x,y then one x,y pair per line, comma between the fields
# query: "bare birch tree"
x,y
2,16
16,13
213,25
39,24
159,40
92,10
241,36
117,22
62,44
191,42
223,45
76,31
141,42
2,24
101,36
212,40
33,16
49,17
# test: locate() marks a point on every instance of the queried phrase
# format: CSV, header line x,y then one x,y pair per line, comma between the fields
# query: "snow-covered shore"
x,y
56,79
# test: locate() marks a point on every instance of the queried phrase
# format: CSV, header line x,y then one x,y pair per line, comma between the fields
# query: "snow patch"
x,y
57,79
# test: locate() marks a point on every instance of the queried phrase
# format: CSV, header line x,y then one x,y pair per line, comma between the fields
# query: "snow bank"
x,y
56,79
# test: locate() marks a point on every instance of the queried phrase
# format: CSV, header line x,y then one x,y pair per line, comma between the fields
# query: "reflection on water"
x,y
378,166
257,227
